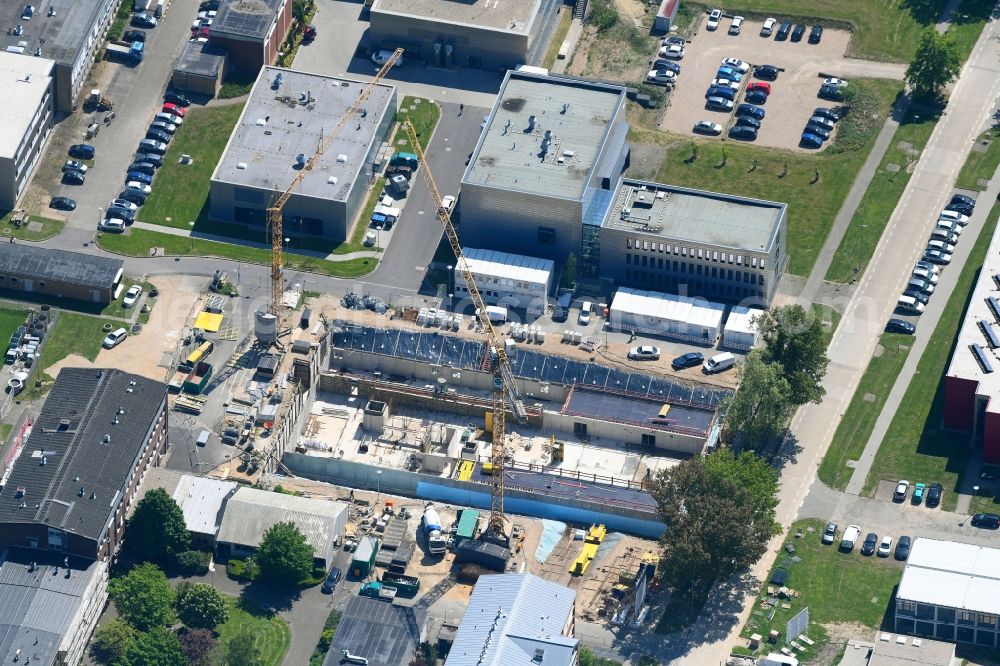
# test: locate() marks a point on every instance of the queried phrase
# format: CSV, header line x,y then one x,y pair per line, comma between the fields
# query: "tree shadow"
x,y
787,451
264,599
925,12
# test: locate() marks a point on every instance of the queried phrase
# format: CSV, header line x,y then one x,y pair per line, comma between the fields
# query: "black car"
x,y
871,543
157,135
662,63
900,326
126,214
918,296
62,203
689,360
748,121
134,36
989,521
147,168
82,151
74,177
178,99
766,72
135,197
725,92
209,6
960,208
831,92
149,158
143,21
331,581
743,133
756,97
934,494
828,113
962,199
818,130
782,33
903,548
816,34
750,110
798,32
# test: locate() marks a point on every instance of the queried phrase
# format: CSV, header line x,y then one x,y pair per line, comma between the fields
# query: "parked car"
x,y
114,338
768,27
783,30
743,133
766,72
750,110
158,135
82,151
900,326
816,34
816,130
885,547
688,360
174,110
123,203
138,187
730,73
721,91
833,93
112,225
809,140
918,493
840,83
133,36
944,246
131,296
925,274
937,257
826,112
143,20
961,208
908,305
662,77
934,492
147,168
149,158
139,177
822,122
954,215
830,533
133,196
673,51
170,118
759,85
748,121
177,98
122,213
963,199
903,548
718,363
644,353
331,581
725,83
673,39
901,489
719,104
586,309
737,64
946,235
798,32
736,26
708,127
926,265
447,203
918,296
871,542
74,177
851,535
989,521
62,203
663,63
756,97
713,19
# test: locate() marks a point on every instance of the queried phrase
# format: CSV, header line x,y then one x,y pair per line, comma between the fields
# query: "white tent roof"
x,y
741,320
657,305
953,574
519,267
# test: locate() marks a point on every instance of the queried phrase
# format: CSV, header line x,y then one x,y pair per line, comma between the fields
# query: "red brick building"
x,y
70,488
252,31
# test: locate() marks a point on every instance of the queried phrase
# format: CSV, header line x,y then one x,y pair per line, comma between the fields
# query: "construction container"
x,y
198,378
376,590
406,586
485,554
364,557
468,525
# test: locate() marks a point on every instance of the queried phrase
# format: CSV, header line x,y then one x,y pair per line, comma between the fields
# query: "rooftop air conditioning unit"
x,y
242,166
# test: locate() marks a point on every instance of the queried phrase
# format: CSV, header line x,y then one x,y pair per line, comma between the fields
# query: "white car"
x,y
885,547
112,225
713,19
661,76
707,127
644,353
768,27
586,309
901,489
447,203
726,83
736,64
136,186
131,296
954,216
925,274
171,118
115,338
736,25
949,225
673,51
75,165
840,83
124,203
944,246
383,56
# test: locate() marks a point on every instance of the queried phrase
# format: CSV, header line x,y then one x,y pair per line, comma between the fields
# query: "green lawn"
x,y
933,455
858,421
116,308
180,191
5,429
777,175
137,242
830,318
837,587
49,229
981,164
880,199
967,24
424,114
10,319
270,632
75,333
559,36
883,29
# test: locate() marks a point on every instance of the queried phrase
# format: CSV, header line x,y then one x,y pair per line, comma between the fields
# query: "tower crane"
x,y
274,221
504,388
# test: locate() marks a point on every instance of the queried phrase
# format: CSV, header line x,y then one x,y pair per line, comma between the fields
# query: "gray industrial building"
x,y
25,121
285,120
200,68
692,242
31,269
69,32
543,172
476,33
377,633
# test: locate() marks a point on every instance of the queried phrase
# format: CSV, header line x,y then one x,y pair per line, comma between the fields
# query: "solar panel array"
x,y
452,351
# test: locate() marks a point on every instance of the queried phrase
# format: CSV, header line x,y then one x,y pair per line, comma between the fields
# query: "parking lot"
x,y
794,93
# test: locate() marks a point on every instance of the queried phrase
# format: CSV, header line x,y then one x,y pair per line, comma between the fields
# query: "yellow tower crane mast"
x,y
504,388
274,221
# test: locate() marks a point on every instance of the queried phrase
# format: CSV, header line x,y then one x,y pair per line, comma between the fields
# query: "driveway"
x,y
794,93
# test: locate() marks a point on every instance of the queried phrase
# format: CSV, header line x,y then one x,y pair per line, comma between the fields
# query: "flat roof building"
x,y
898,650
72,275
741,330
251,30
49,605
516,620
384,634
249,513
680,317
950,591
203,501
284,121
25,121
67,31
542,173
509,280
477,33
200,68
972,381
687,241
71,486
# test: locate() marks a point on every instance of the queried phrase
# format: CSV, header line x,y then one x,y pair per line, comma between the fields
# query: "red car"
x,y
174,109
760,85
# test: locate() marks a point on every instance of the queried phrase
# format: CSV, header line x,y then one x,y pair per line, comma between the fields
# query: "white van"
x,y
909,305
586,309
718,363
851,535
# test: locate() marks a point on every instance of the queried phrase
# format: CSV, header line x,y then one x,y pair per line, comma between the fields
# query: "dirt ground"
x,y
794,93
593,57
143,353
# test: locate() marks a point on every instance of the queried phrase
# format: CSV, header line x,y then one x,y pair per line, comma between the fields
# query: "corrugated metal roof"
x,y
385,634
250,513
509,617
657,305
202,500
957,575
508,267
58,265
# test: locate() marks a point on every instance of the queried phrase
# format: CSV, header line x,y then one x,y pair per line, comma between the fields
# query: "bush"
x,y
193,563
325,639
111,639
603,15
862,121
201,606
243,569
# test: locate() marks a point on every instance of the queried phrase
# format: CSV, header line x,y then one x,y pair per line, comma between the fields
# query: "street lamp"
x,y
975,491
378,486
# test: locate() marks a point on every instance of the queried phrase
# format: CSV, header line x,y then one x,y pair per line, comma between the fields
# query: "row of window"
x,y
14,280
506,282
684,268
949,615
648,278
947,632
692,252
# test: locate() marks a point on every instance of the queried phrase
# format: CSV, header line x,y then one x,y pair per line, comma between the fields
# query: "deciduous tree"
x,y
156,532
761,405
793,338
284,555
197,645
156,647
242,650
110,640
935,65
201,606
144,597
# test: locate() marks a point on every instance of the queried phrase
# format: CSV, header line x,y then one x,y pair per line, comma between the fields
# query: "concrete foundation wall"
x,y
621,432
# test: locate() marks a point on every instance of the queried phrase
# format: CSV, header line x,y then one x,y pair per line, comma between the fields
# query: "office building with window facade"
x,y
25,121
950,591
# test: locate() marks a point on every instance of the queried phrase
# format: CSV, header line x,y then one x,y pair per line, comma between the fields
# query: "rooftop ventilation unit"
x,y
300,159
982,357
565,108
260,122
242,166
342,158
277,82
532,121
332,180
991,336
994,306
